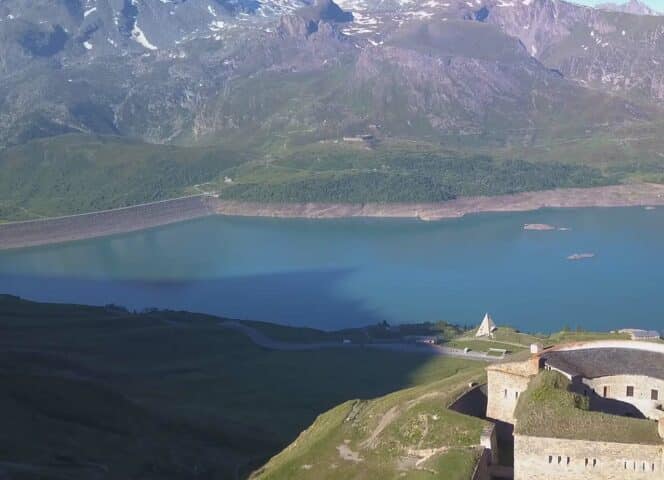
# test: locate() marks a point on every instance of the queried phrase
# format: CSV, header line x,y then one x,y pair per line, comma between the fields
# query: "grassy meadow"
x,y
408,434
100,392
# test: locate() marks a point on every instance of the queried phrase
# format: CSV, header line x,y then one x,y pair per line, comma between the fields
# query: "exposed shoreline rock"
x,y
129,219
628,195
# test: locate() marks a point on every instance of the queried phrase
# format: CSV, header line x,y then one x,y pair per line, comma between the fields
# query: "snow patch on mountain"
x,y
217,25
138,35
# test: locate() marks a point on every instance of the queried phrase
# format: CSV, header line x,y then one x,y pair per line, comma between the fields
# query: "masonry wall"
x,y
482,468
503,394
643,386
539,458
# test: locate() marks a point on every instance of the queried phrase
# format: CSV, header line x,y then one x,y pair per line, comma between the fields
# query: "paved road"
x,y
264,341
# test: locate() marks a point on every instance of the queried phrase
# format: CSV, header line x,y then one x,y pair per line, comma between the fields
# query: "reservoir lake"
x,y
341,273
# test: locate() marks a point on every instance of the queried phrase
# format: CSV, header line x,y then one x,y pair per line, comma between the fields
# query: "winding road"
x,y
264,341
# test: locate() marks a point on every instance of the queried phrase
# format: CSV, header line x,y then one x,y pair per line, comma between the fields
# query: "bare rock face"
x,y
634,7
167,70
619,53
322,16
296,26
458,77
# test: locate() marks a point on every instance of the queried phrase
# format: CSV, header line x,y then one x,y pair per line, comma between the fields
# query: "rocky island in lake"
x,y
541,227
580,256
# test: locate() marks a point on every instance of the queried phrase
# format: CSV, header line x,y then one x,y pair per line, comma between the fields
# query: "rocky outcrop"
x,y
185,71
619,53
634,7
320,17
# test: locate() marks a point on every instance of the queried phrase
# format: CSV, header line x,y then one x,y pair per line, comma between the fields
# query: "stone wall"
x,y
539,458
489,441
107,222
503,390
616,388
482,468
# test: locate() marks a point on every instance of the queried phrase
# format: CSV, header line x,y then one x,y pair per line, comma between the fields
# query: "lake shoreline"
x,y
135,218
628,195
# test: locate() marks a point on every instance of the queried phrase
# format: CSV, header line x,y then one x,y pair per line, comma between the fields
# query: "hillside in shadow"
x,y
101,392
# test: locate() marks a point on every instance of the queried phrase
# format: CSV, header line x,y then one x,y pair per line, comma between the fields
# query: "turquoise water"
x,y
350,272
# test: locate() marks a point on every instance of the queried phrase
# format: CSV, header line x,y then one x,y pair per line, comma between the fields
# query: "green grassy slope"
x,y
407,434
99,392
76,173
516,342
398,172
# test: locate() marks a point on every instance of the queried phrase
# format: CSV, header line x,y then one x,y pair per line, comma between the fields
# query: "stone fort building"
x,y
583,411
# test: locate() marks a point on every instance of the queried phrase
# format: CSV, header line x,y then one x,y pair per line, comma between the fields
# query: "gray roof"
x,y
604,362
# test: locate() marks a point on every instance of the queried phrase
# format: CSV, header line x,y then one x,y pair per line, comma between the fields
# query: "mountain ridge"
x,y
520,81
635,7
255,45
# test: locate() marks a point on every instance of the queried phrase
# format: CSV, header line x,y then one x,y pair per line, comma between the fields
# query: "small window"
x,y
560,459
550,458
625,465
594,462
605,392
586,462
505,393
630,391
567,460
516,395
653,467
654,394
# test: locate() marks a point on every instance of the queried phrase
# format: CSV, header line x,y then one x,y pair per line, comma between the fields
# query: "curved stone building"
x,y
584,411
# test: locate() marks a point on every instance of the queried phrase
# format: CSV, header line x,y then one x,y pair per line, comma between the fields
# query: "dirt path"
x,y
387,418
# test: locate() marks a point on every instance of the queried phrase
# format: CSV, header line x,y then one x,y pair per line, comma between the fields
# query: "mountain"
x,y
170,71
612,52
634,7
513,79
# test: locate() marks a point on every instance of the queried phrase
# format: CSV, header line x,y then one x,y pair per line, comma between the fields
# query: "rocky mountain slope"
x,y
169,70
632,6
267,77
613,52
